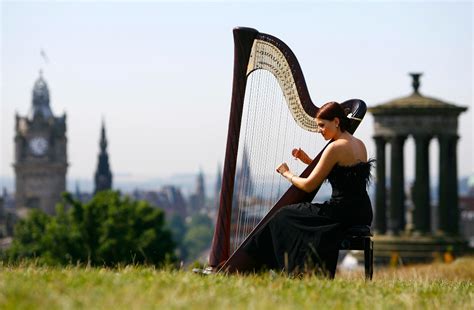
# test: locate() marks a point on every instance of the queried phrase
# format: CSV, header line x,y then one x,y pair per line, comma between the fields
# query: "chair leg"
x,y
371,272
367,259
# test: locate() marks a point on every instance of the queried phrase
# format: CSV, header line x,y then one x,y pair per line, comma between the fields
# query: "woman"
x,y
303,237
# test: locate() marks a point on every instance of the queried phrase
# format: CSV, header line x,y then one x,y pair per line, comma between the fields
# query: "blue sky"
x,y
160,73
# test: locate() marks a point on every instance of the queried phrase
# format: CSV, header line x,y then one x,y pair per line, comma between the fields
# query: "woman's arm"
x,y
318,175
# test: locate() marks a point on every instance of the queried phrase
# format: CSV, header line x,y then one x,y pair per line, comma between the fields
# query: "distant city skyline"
x,y
160,73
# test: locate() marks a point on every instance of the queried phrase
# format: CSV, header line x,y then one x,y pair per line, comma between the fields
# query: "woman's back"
x,y
350,150
350,202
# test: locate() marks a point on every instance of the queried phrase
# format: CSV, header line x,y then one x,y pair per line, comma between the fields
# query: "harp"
x,y
271,111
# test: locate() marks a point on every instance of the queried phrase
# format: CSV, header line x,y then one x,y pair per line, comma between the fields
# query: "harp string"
x,y
256,144
268,133
254,106
244,175
250,154
238,200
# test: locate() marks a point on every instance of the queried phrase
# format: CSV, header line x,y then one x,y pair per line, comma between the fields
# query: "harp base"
x,y
205,272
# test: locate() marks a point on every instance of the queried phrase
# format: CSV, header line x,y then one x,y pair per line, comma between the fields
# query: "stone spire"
x,y
245,174
40,107
78,191
103,175
200,189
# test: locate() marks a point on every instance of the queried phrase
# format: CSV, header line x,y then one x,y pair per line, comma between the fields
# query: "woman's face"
x,y
328,129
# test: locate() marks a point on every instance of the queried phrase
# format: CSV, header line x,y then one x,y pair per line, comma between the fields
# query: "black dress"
x,y
304,237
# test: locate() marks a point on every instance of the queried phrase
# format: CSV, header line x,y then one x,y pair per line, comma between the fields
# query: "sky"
x,y
160,73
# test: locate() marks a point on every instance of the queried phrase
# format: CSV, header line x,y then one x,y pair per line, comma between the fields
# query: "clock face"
x,y
38,146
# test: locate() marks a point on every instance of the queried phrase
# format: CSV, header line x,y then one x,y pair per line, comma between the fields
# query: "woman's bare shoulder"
x,y
349,150
342,143
346,143
357,140
360,143
332,149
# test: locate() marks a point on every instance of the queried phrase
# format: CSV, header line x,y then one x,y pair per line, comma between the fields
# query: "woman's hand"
x,y
282,168
285,172
301,155
297,153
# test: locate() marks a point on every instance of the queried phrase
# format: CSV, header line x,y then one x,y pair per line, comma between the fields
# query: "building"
x,y
197,200
424,119
3,219
103,175
168,198
40,154
8,217
466,208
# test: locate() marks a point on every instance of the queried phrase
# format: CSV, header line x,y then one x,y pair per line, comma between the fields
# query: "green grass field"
x,y
435,286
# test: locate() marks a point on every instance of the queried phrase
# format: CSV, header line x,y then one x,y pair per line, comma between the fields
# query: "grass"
x,y
435,286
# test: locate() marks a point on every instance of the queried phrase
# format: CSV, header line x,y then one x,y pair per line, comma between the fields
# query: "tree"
x,y
177,226
198,236
29,236
108,230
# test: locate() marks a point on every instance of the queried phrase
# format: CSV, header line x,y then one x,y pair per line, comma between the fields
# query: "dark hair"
x,y
329,111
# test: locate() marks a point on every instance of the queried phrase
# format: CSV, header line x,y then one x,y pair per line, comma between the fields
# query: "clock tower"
x,y
40,154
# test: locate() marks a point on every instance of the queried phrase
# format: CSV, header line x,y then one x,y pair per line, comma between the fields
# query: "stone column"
x,y
380,188
421,191
448,212
397,186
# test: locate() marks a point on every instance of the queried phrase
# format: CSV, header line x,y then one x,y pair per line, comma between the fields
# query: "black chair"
x,y
360,238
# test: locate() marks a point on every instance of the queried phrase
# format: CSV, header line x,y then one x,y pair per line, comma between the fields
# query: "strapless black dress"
x,y
304,237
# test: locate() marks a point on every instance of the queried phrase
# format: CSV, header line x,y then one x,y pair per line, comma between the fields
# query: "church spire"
x,y
103,140
245,175
103,175
78,191
200,189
